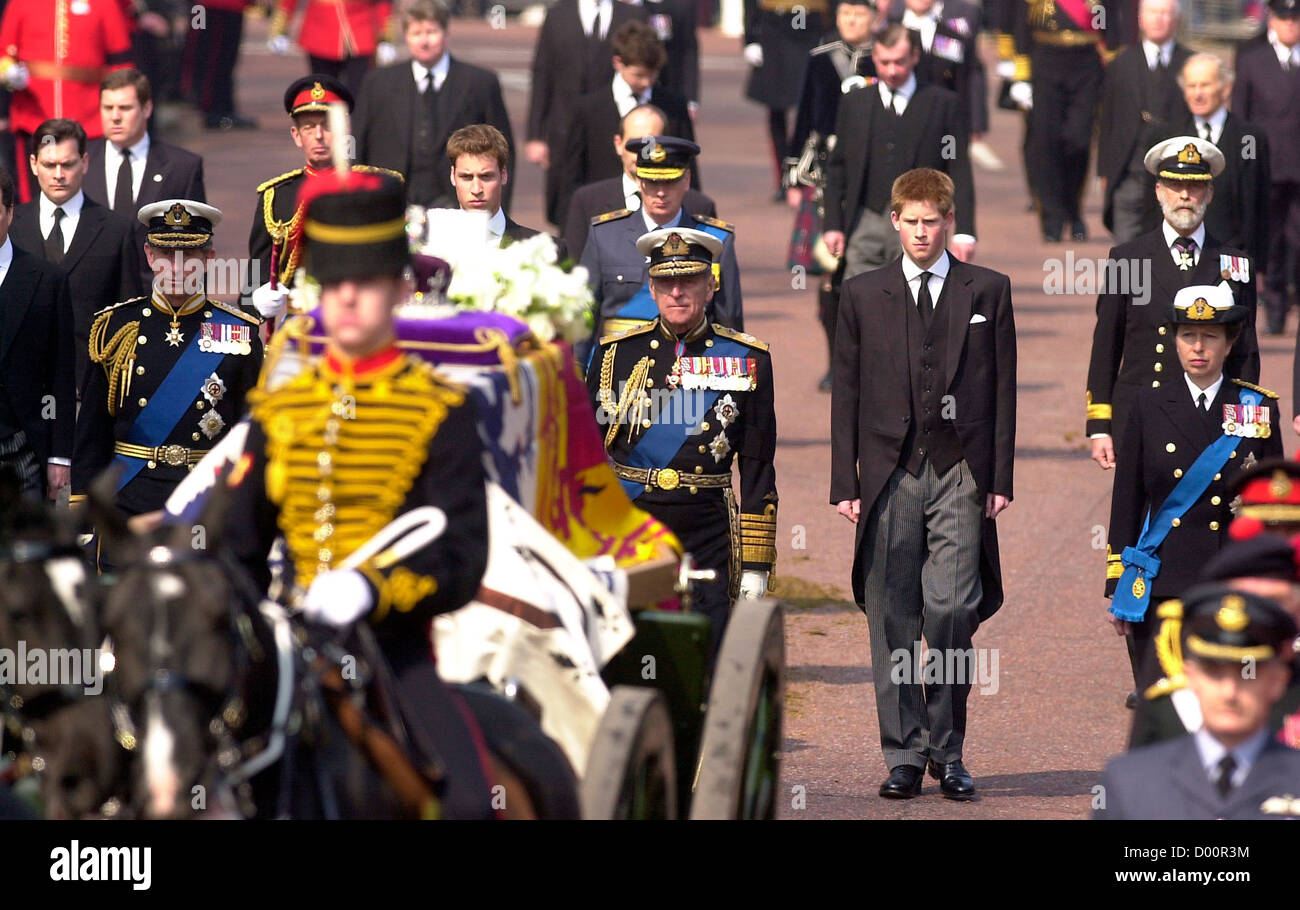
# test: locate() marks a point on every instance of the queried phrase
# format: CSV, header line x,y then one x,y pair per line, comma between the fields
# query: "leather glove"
x,y
269,303
1022,93
278,45
15,78
753,54
385,53
753,584
337,598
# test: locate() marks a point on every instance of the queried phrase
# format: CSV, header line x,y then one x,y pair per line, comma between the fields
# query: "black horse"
x,y
57,720
240,710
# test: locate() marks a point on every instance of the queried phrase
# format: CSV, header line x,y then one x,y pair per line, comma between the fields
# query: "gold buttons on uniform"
x,y
199,405
1155,384
1170,447
1176,522
704,427
709,343
1218,476
1160,349
646,423
1214,526
142,402
207,314
1232,454
194,436
654,345
1162,330
1178,472
141,340
146,311
649,382
703,449
1214,500
694,490
1159,367
152,464
139,371
699,470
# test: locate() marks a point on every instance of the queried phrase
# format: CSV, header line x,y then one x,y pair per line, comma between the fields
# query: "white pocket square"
x,y
977,318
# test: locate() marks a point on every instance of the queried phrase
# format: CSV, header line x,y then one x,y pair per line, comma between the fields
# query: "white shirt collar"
x,y
6,258
1212,752
1198,235
934,15
631,193
497,224
587,15
911,271
624,91
139,151
1284,54
439,71
71,208
1197,391
1215,120
904,94
1163,52
651,226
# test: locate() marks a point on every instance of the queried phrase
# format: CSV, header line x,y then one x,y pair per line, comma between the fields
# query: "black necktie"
x,y
1186,249
123,203
54,242
1205,131
595,24
893,104
923,301
1200,401
1223,783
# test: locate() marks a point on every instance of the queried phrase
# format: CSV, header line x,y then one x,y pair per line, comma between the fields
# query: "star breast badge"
x,y
174,337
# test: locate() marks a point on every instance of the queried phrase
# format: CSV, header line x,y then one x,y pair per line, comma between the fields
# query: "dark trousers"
x,y
704,528
17,455
349,71
211,54
1283,250
1141,650
1067,85
778,127
921,555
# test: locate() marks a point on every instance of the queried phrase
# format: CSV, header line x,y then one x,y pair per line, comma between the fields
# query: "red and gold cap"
x,y
316,93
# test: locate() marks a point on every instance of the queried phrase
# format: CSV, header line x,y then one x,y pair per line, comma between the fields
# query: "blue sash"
x,y
662,441
1141,565
172,399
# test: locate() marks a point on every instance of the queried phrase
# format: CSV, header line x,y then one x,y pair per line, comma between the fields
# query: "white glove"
x,y
278,45
1022,93
753,584
337,598
269,303
754,55
1006,69
385,53
16,77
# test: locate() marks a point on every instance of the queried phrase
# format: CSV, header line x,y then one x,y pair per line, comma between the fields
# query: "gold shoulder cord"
x,y
280,232
606,393
117,357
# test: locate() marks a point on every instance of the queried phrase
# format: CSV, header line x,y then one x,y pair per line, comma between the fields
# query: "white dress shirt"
x,y
1171,235
625,98
1216,121
631,193
71,215
899,98
651,226
497,225
1245,755
439,70
1158,53
938,273
587,14
113,163
1209,393
1287,56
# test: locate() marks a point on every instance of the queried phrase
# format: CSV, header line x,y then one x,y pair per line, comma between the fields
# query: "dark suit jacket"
x,y
871,401
953,59
1167,781
1238,214
102,263
1134,118
1130,327
607,196
1144,477
386,110
515,231
932,125
170,172
588,154
675,22
36,357
1269,98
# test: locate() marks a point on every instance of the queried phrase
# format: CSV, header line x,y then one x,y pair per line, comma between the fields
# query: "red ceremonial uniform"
x,y
337,29
67,46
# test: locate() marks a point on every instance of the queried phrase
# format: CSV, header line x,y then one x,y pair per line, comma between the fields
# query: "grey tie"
x,y
1205,131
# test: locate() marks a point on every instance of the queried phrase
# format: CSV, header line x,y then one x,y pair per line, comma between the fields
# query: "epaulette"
x,y
1256,388
276,181
234,311
626,333
610,216
111,307
373,169
823,48
716,222
742,337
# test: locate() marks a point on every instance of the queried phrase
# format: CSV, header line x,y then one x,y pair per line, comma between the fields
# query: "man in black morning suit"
x,y
572,57
157,170
874,145
949,40
923,427
1132,348
36,361
1238,214
1140,104
1267,94
406,112
95,246
623,191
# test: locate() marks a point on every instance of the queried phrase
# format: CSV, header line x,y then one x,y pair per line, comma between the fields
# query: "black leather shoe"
x,y
1078,231
1131,702
954,780
904,783
825,384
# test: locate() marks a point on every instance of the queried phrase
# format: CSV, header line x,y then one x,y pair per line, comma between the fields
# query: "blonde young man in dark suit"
x,y
923,429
